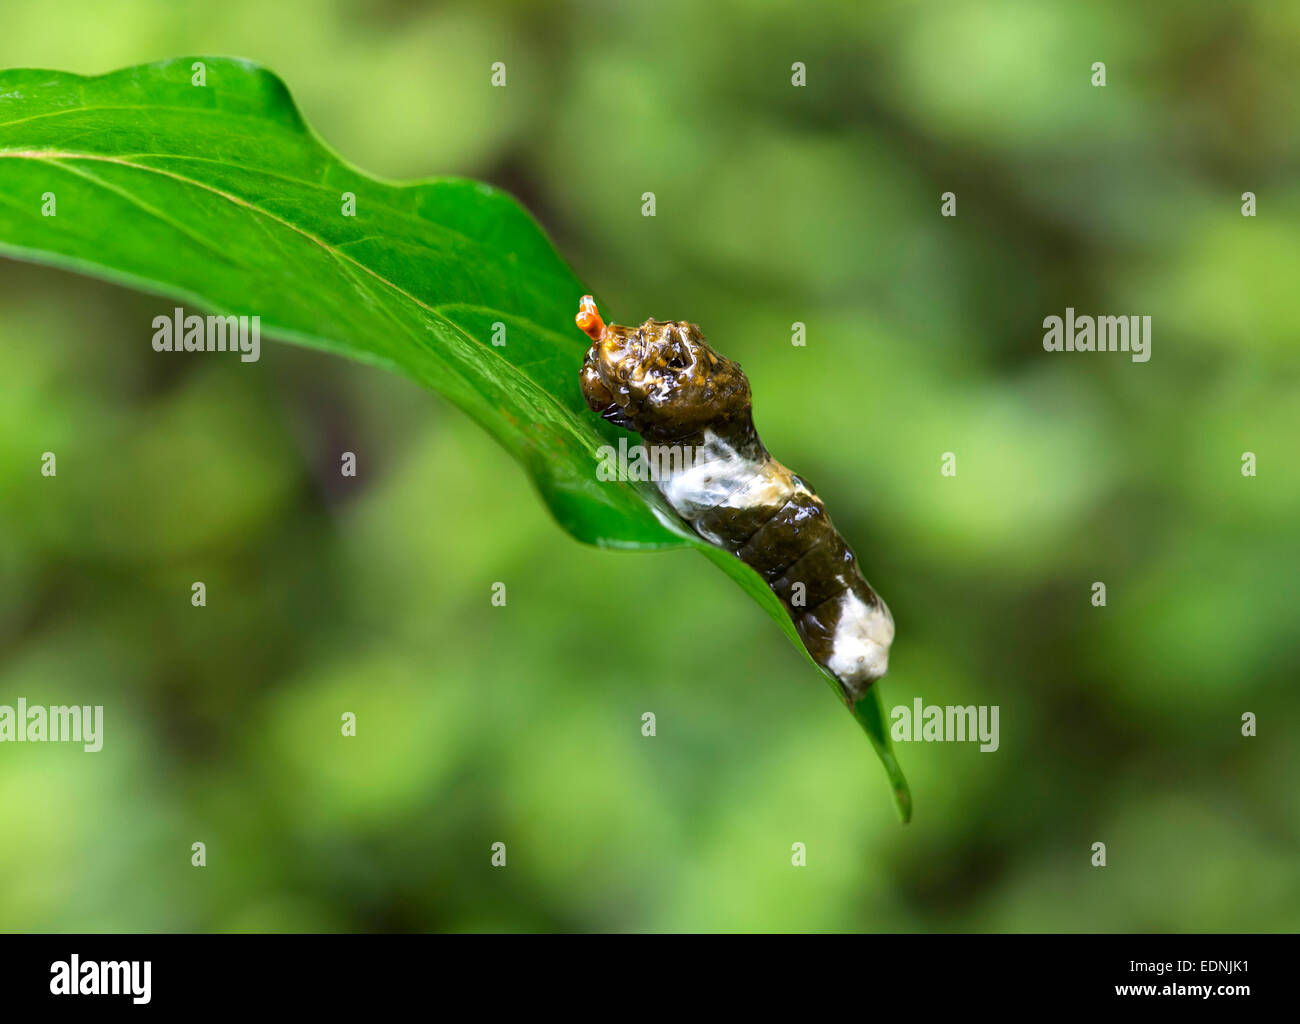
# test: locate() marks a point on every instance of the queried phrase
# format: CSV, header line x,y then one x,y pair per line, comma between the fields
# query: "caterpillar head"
x,y
661,379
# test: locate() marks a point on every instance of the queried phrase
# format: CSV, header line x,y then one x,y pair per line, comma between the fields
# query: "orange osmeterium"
x,y
588,318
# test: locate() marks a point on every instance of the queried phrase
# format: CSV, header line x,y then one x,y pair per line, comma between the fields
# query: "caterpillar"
x,y
663,381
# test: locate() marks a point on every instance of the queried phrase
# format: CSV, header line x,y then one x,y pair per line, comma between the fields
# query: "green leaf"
x,y
220,196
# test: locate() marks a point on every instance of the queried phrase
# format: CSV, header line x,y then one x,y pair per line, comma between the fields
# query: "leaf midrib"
x,y
122,106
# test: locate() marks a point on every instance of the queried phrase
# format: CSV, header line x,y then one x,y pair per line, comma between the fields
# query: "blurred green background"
x,y
522,724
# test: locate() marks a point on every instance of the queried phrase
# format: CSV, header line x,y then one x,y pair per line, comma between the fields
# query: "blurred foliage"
x,y
521,724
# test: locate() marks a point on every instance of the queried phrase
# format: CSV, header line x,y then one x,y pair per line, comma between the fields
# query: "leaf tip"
x,y
869,710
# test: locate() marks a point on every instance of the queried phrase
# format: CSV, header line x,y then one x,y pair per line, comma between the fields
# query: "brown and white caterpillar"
x,y
663,381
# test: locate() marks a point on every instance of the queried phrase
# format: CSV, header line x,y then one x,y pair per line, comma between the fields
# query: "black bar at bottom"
x,y
656,974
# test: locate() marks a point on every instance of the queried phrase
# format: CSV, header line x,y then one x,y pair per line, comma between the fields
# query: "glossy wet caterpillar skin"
x,y
663,381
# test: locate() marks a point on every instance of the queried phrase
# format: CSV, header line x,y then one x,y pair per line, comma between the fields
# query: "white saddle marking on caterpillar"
x,y
716,472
